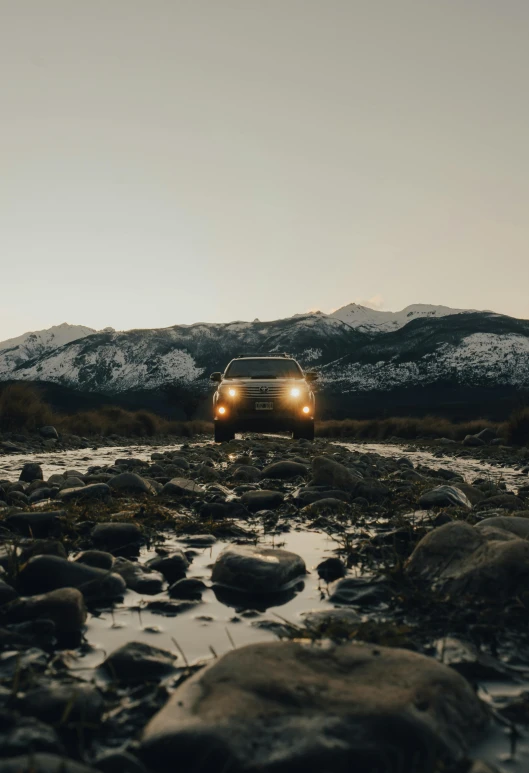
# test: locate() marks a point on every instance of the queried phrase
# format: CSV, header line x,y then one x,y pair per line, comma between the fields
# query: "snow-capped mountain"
x,y
16,351
369,320
437,349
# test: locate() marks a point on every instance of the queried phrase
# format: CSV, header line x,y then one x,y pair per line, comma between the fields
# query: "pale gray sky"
x,y
173,161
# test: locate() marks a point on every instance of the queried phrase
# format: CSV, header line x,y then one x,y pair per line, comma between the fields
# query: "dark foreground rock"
x,y
249,569
42,763
46,573
65,607
137,663
445,496
293,707
490,560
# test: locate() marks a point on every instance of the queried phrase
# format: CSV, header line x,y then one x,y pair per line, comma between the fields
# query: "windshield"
x,y
263,368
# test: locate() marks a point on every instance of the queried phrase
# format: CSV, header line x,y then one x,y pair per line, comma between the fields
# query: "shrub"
x,y
517,427
22,408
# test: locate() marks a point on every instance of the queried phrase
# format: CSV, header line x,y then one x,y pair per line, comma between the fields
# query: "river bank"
x,y
206,550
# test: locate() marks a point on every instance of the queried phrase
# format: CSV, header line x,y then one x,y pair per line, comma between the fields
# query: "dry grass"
x,y
22,409
407,428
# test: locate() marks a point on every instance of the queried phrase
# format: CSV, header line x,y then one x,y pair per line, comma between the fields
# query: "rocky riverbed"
x,y
264,604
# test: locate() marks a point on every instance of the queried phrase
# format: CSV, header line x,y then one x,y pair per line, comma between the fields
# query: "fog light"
x,y
222,410
295,392
306,409
232,392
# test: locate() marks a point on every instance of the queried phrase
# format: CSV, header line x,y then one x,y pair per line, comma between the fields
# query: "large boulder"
x,y
36,524
46,573
263,499
31,471
94,491
445,496
178,487
284,470
328,472
487,561
117,537
257,570
49,433
137,663
65,607
131,483
290,706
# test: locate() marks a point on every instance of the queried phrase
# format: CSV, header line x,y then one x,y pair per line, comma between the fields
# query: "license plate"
x,y
264,406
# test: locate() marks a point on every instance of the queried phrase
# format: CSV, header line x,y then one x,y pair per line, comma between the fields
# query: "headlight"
x,y
306,409
232,392
222,410
295,392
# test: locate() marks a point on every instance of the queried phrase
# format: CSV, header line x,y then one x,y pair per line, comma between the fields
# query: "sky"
x,y
177,161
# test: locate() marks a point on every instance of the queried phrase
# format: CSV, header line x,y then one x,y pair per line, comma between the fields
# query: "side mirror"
x,y
216,377
311,376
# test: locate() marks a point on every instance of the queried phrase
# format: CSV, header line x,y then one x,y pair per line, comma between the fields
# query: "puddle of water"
x,y
211,625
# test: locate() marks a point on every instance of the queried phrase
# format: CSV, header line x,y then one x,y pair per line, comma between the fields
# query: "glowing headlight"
x,y
306,409
295,392
232,392
222,409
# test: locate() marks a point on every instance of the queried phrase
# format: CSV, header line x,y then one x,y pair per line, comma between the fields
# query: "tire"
x,y
304,431
223,433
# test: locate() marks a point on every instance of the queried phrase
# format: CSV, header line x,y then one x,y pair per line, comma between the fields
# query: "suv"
x,y
263,393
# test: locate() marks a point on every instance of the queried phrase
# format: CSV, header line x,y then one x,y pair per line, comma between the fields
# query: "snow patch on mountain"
x,y
16,351
373,321
479,359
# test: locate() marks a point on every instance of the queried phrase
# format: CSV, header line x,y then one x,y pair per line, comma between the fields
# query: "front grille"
x,y
255,391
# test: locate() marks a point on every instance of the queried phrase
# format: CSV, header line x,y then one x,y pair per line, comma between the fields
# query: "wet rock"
x,y
330,619
169,608
71,483
474,495
36,524
308,496
65,607
137,663
326,506
97,558
199,540
17,498
18,735
178,487
94,491
49,432
31,471
7,593
41,494
117,537
244,473
42,763
249,569
131,483
215,511
372,490
188,588
47,573
360,591
505,501
331,569
510,523
473,441
483,561
138,578
445,496
285,470
173,567
263,499
328,472
64,702
119,762
287,706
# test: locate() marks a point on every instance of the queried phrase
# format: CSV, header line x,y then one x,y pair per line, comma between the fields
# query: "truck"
x,y
263,393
